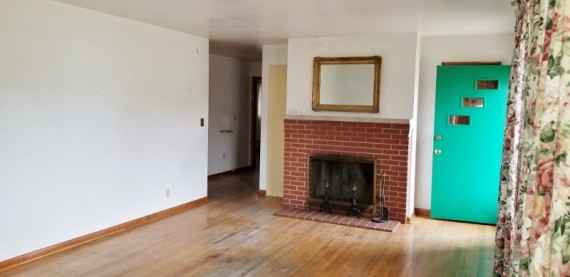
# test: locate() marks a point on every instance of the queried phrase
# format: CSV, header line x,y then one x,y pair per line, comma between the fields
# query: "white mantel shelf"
x,y
346,119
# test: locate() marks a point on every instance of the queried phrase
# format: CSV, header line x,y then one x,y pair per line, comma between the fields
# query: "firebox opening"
x,y
339,179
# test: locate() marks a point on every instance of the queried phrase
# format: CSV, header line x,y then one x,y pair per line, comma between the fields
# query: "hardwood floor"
x,y
236,234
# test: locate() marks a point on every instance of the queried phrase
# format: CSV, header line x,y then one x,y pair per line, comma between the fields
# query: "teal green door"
x,y
469,121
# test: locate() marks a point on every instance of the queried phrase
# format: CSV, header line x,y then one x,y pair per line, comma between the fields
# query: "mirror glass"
x,y
349,84
356,79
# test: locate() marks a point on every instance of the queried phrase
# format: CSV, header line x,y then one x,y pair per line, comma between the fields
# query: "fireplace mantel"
x,y
345,119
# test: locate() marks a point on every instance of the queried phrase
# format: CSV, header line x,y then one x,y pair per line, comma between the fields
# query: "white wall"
x,y
98,117
434,51
398,53
272,55
230,97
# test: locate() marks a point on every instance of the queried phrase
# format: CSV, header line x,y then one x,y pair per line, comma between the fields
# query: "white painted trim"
x,y
346,119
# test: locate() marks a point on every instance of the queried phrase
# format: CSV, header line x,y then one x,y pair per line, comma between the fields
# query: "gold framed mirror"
x,y
347,84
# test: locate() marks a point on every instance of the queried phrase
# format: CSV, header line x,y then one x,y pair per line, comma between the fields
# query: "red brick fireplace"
x,y
385,141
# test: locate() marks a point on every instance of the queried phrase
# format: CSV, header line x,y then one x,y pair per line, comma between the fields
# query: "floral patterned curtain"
x,y
533,231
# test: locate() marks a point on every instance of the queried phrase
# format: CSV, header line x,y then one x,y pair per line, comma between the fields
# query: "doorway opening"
x,y
255,137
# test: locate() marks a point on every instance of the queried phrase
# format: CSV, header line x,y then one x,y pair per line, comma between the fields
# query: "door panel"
x,y
468,139
275,129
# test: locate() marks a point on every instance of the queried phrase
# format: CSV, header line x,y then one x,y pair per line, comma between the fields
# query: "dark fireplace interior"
x,y
340,179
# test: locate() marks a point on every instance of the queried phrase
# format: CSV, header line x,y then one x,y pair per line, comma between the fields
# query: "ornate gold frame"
x,y
373,108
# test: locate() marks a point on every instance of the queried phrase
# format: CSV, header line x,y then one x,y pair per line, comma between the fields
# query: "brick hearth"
x,y
365,223
387,143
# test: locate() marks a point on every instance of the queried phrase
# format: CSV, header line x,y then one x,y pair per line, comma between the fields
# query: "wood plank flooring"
x,y
235,234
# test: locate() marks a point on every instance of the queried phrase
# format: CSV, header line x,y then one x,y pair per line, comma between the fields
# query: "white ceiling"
x,y
238,28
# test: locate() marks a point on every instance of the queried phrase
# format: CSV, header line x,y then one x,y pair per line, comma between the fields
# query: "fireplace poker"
x,y
383,216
